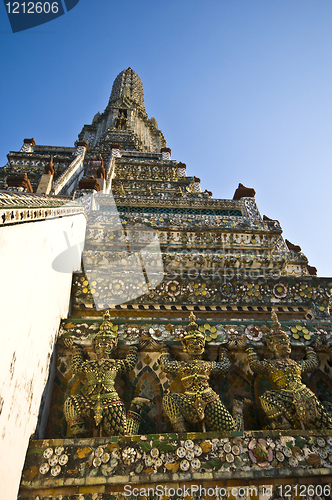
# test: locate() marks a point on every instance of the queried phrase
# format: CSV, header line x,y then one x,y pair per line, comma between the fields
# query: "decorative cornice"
x,y
23,215
203,308
209,203
9,199
224,290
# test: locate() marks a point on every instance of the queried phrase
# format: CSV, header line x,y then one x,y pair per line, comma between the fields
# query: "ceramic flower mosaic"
x,y
56,458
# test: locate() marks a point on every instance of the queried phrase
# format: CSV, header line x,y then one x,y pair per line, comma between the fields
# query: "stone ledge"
x,y
216,457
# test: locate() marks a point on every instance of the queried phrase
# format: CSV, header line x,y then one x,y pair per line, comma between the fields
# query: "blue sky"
x,y
241,90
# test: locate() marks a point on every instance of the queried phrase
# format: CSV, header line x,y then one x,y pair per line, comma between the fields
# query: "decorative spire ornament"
x,y
276,326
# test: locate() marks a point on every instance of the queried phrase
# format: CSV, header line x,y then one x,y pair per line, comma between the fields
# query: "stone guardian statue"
x,y
199,403
100,400
291,405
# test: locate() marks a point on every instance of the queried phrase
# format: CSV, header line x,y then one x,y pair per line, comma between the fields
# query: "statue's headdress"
x,y
276,332
107,330
192,330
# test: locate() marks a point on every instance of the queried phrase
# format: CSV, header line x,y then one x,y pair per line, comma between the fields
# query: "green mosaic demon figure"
x,y
292,404
101,401
199,403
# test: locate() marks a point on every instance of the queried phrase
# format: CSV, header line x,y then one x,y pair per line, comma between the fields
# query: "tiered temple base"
x,y
249,465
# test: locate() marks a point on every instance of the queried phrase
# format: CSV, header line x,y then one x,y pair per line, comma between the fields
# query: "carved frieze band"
x,y
23,215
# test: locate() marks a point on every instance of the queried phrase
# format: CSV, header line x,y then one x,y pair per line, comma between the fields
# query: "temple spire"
x,y
128,84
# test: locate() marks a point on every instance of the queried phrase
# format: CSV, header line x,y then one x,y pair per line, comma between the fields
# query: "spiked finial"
x,y
192,325
276,326
192,329
107,330
49,168
276,332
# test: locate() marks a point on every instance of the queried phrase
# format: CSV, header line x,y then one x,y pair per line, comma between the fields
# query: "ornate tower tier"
x,y
124,120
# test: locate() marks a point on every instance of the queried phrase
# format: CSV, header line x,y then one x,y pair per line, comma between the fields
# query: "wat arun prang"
x,y
215,372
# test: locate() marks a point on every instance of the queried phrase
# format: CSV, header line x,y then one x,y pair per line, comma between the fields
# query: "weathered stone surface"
x,y
218,459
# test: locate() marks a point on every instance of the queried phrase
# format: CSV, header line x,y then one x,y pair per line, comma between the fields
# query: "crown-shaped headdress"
x,y
107,330
276,333
192,329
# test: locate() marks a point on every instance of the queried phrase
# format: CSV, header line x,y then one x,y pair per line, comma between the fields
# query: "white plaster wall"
x,y
33,299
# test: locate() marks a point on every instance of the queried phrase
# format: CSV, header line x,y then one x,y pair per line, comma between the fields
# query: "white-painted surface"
x,y
33,299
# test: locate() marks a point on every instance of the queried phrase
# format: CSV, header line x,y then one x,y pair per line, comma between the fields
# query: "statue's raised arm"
x,y
222,366
168,365
77,361
129,363
310,363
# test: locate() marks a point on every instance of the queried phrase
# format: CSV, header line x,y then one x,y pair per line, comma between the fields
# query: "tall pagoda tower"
x,y
162,259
